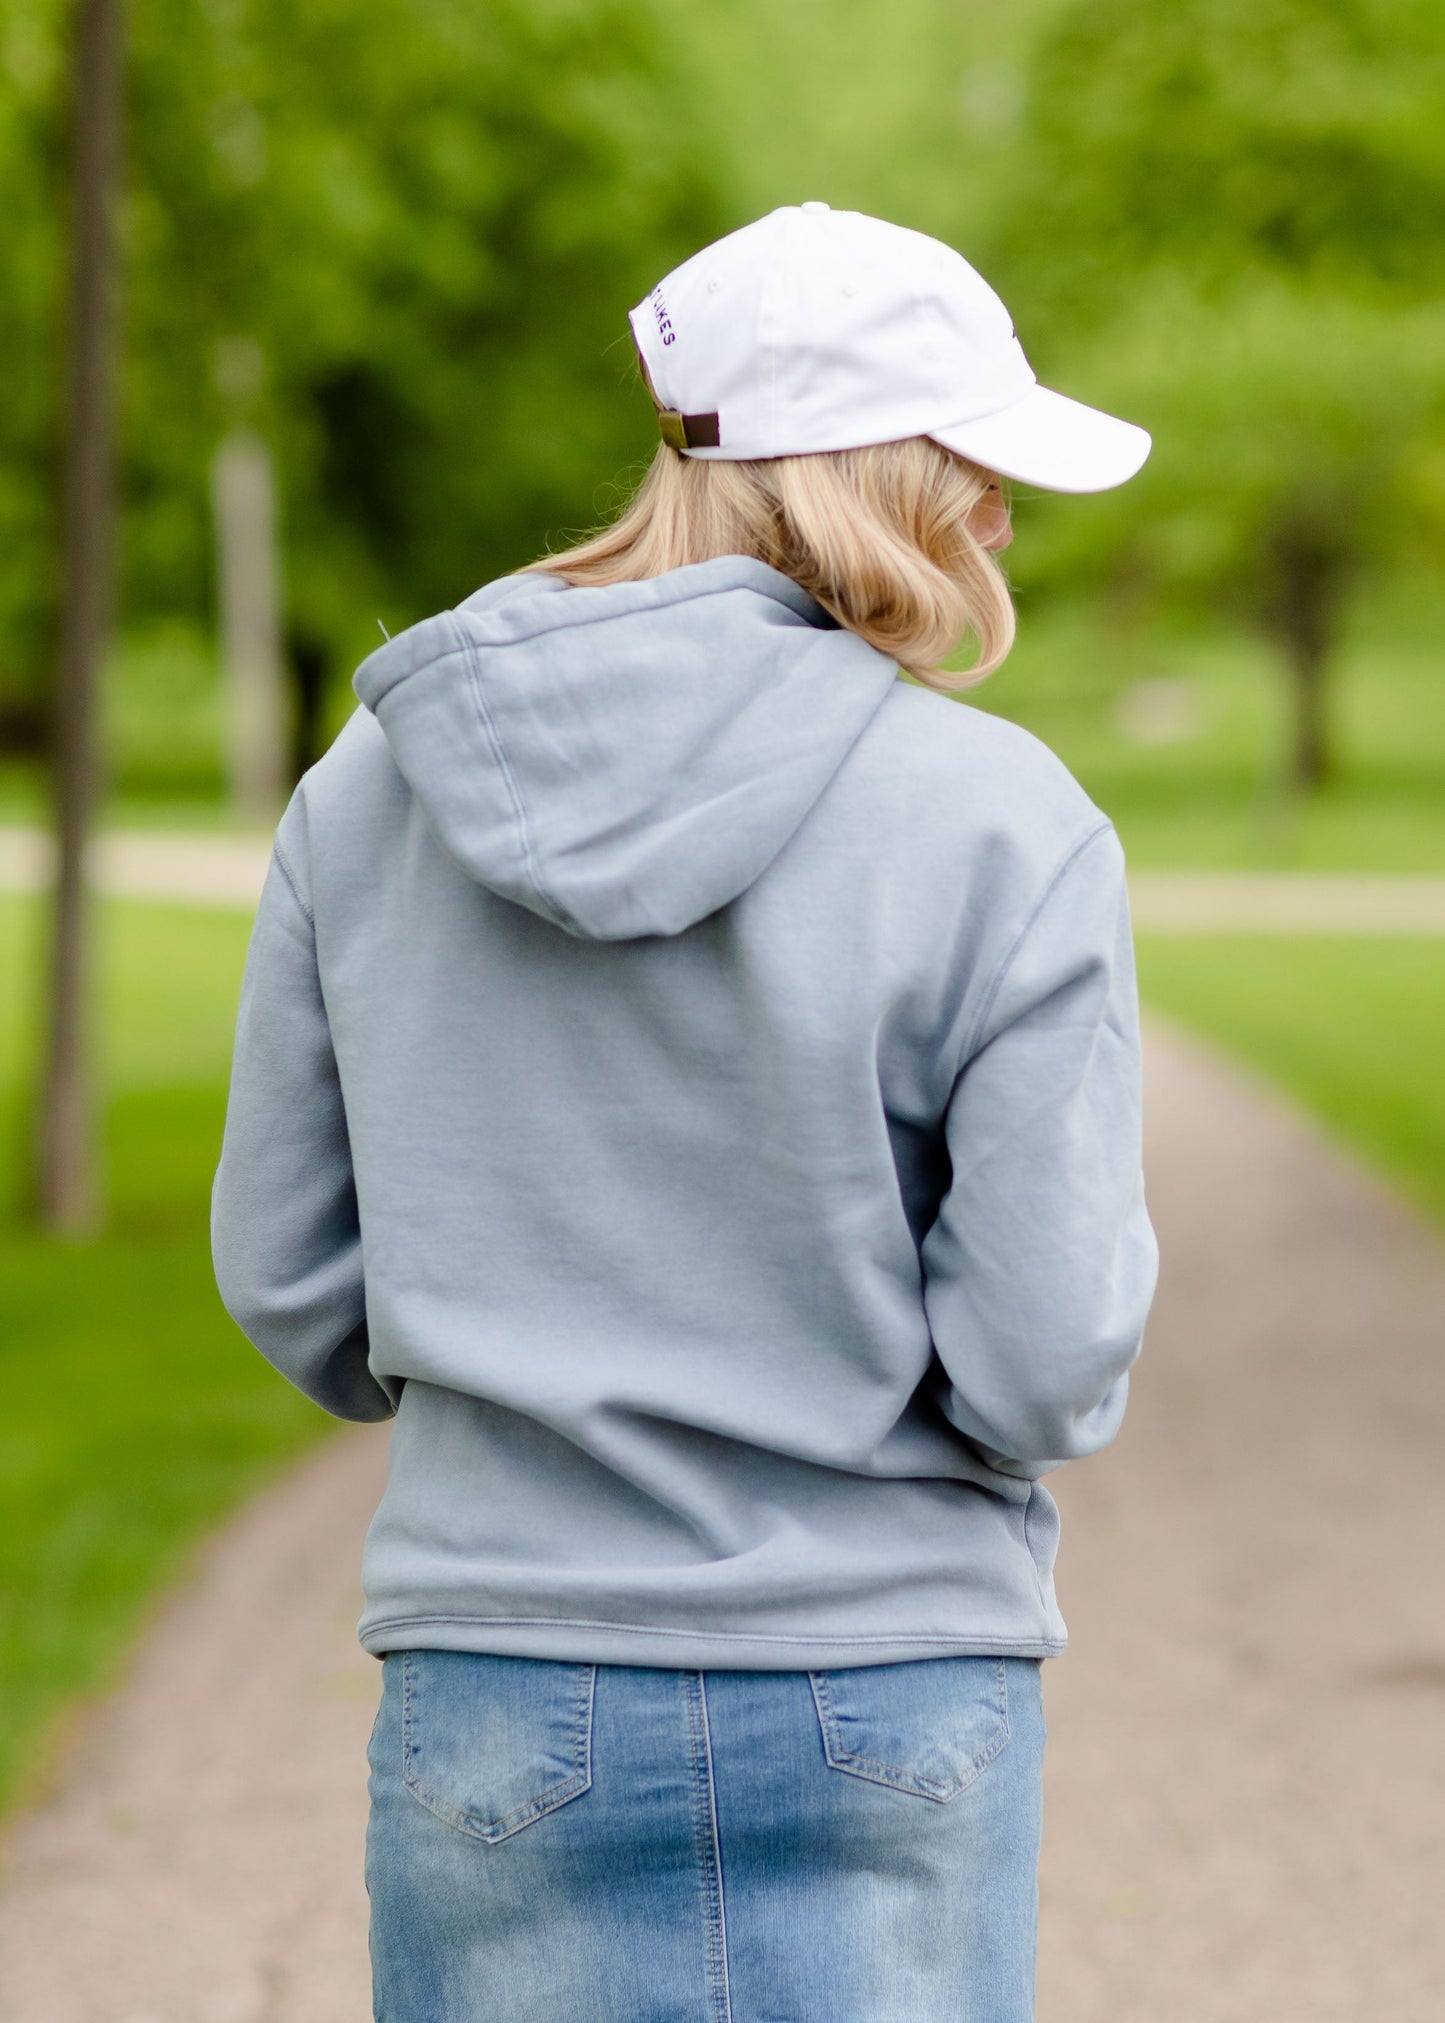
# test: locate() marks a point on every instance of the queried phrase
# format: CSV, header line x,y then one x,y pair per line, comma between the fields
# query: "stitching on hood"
x,y
557,914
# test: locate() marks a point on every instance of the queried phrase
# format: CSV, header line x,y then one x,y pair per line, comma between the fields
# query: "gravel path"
x,y
1247,1740
198,869
1244,1812
202,1860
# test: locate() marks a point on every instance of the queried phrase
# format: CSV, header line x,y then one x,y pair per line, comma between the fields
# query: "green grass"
x,y
135,1413
1352,1028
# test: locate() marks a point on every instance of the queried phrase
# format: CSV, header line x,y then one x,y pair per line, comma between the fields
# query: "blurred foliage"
x,y
1225,217
397,240
30,65
1295,136
1298,456
402,243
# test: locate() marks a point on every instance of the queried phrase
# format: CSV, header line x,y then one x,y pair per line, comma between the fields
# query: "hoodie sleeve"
x,y
1041,1267
285,1229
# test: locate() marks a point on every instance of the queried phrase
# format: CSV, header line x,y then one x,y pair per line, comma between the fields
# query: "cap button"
x,y
815,207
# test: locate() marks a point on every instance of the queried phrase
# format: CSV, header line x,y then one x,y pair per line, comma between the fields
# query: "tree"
x,y
1225,221
428,224
65,1181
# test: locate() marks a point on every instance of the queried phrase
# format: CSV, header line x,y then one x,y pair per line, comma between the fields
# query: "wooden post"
x,y
66,1186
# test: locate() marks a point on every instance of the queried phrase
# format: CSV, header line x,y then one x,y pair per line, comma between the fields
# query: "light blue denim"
x,y
596,1843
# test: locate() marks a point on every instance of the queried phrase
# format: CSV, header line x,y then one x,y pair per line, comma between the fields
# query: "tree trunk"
x,y
310,662
243,503
1311,573
66,1190
1314,762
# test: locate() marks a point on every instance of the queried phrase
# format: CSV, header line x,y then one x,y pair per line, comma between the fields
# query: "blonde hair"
x,y
878,535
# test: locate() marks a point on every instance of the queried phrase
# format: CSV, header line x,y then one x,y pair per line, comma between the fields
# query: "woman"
x,y
689,1076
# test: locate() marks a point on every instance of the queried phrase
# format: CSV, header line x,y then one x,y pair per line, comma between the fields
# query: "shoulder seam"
x,y
1006,960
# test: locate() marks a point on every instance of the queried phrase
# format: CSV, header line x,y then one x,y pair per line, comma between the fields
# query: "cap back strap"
x,y
688,431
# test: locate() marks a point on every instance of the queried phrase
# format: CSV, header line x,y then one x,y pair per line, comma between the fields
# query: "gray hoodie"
x,y
690,1077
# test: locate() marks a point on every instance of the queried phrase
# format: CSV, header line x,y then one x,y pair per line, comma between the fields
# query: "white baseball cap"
x,y
815,329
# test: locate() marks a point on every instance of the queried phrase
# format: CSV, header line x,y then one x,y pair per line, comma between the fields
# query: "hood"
x,y
624,761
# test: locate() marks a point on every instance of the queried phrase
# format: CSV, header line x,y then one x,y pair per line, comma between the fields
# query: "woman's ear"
x,y
990,522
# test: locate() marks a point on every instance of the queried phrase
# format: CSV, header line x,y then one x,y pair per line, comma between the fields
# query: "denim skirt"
x,y
596,1843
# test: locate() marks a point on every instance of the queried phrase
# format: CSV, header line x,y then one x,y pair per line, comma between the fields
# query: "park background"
x,y
395,248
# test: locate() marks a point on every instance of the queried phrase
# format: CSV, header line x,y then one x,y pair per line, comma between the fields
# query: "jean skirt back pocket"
x,y
929,1726
489,1743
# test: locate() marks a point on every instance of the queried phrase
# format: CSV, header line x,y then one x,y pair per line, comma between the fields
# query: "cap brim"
x,y
1048,440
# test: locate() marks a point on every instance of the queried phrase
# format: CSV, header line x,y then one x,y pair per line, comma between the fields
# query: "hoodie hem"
x,y
578,1640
